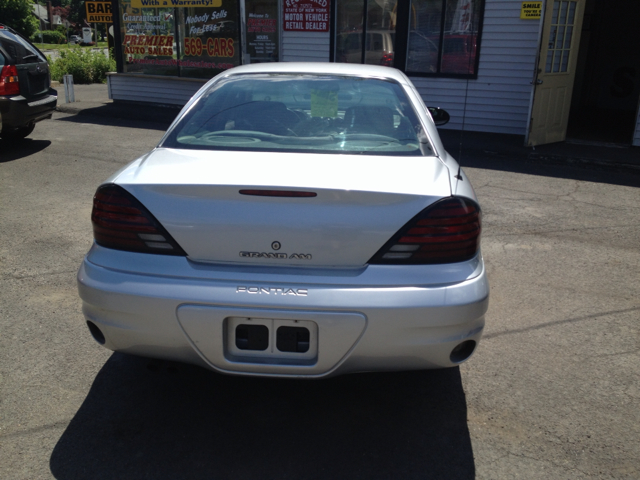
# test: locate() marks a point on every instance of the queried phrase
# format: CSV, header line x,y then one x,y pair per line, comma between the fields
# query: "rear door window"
x,y
20,49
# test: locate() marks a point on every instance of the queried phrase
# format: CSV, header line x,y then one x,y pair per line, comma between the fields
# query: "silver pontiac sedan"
x,y
296,220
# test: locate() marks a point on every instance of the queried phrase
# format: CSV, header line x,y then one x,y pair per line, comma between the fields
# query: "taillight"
x,y
387,60
9,80
446,232
121,222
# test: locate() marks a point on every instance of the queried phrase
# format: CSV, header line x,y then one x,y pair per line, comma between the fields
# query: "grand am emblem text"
x,y
298,292
280,256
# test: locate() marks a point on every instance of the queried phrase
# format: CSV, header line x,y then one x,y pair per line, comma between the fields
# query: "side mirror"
x,y
440,116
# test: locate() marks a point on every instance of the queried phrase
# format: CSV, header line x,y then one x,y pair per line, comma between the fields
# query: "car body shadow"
x,y
161,420
15,150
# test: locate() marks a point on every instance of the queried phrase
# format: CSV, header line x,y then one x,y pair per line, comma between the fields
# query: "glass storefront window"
x,y
443,36
262,31
379,37
148,40
194,41
209,39
440,36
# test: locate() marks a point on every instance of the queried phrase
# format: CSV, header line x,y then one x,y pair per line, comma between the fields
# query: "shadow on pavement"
x,y
14,150
507,153
124,115
161,420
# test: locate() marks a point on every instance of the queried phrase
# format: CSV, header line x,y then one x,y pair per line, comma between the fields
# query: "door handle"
x,y
539,82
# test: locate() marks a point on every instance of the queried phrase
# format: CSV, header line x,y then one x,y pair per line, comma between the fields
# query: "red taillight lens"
x,y
9,80
121,222
446,232
387,60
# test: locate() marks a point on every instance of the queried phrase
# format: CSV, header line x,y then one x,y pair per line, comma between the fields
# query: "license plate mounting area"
x,y
270,339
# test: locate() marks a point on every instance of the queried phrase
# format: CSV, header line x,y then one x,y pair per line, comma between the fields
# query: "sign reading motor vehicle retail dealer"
x,y
306,15
99,12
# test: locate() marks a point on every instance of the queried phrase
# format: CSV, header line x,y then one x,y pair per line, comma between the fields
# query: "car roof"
x,y
323,68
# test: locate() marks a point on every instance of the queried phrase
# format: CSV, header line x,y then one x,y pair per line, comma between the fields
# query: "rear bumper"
x,y
359,327
16,111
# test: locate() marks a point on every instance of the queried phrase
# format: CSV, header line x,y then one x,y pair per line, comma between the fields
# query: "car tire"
x,y
17,133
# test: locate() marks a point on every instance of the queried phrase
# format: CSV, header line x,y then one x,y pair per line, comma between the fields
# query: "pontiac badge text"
x,y
301,292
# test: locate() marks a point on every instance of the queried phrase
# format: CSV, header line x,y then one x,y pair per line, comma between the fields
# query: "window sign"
x,y
148,40
175,3
210,40
306,15
262,31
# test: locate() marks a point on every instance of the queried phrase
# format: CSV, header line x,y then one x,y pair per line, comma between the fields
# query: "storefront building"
x,y
543,70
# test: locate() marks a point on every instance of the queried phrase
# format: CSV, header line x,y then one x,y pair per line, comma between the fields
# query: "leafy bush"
x,y
86,66
87,44
52,36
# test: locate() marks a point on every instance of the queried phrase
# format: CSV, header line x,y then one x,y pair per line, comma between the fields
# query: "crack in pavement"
x,y
557,322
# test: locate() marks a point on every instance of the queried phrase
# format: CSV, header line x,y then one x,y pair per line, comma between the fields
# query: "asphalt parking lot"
x,y
553,391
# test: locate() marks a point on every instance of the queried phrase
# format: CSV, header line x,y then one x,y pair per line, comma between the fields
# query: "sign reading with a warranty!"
x,y
99,12
175,3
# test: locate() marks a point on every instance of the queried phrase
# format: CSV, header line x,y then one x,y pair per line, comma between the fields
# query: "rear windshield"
x,y
20,49
301,113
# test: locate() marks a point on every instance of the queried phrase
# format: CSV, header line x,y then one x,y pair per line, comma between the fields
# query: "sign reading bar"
x,y
531,11
175,3
306,15
99,12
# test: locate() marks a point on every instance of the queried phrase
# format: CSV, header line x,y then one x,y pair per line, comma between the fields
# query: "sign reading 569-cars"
x,y
99,12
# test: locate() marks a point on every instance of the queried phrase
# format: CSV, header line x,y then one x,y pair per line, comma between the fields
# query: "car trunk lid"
x,y
229,206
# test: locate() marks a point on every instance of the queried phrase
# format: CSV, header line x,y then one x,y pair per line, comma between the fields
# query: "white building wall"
x,y
305,46
498,101
151,88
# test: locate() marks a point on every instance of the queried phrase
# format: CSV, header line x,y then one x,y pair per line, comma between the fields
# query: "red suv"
x,y
26,96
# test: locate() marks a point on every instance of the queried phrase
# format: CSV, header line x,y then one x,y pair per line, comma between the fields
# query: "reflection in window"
x,y
372,20
443,36
440,35
560,35
148,40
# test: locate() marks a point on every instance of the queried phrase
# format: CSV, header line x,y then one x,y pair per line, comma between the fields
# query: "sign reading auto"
x,y
99,12
306,15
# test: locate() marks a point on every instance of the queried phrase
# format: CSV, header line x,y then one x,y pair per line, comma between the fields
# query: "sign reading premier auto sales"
x,y
306,15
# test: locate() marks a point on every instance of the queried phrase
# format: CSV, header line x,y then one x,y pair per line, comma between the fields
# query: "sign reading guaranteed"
x,y
99,12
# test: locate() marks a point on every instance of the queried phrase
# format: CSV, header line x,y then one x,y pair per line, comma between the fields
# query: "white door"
x,y
556,71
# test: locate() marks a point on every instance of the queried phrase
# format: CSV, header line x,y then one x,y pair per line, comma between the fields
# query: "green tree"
x,y
19,14
77,12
